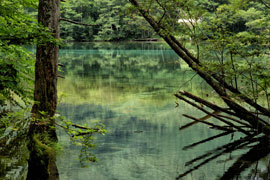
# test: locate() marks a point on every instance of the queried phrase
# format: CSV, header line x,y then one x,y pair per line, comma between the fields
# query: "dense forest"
x,y
224,42
110,20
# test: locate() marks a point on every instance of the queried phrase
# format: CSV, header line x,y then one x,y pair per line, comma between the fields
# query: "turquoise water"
x,y
129,88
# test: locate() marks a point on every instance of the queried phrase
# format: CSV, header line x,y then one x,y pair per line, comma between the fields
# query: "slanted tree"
x,y
229,93
231,42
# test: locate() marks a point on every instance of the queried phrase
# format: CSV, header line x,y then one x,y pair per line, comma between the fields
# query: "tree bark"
x,y
45,94
41,165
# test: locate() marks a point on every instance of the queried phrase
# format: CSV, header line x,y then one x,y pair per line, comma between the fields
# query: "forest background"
x,y
235,35
239,28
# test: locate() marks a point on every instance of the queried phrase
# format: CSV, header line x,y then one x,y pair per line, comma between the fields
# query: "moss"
x,y
44,145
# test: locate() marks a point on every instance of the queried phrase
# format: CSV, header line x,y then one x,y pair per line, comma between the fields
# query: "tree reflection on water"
x,y
256,147
106,81
14,154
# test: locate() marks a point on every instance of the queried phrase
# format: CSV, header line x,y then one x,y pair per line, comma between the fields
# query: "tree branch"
x,y
227,148
208,123
215,116
201,119
207,140
78,23
164,13
205,103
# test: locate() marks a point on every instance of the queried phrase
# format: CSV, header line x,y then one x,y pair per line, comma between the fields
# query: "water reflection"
x,y
129,88
254,154
252,149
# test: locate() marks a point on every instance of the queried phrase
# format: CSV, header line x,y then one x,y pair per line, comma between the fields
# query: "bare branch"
x,y
257,152
211,114
207,140
207,123
60,76
84,127
205,103
201,119
227,148
213,106
235,120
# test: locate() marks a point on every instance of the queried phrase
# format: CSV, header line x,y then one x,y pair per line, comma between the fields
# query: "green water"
x,y
129,87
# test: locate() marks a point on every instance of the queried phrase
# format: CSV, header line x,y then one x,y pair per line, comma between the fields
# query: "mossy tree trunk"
x,y
41,164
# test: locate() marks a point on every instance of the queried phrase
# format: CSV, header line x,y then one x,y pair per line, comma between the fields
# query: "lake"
x,y
129,87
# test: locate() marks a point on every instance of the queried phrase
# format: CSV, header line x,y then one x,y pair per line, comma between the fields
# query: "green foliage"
x,y
79,11
117,24
16,63
17,28
111,18
13,121
230,37
237,42
233,40
16,76
82,136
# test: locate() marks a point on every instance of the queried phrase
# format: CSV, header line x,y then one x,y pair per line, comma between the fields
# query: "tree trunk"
x,y
47,60
42,165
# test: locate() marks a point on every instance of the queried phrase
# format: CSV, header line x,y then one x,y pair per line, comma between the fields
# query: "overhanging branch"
x,y
75,22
